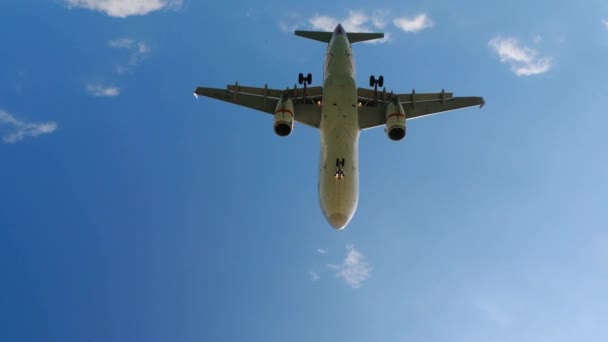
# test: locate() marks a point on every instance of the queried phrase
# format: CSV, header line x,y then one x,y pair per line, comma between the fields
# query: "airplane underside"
x,y
340,110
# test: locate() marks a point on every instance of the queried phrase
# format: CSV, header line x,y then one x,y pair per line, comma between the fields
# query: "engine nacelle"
x,y
284,116
395,120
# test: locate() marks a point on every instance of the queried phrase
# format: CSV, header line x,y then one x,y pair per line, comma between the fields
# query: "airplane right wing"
x,y
373,113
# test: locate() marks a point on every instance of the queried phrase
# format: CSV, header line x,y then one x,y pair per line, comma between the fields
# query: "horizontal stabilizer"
x,y
364,36
326,36
315,35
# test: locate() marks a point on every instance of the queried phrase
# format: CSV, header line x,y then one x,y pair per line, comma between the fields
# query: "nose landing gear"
x,y
339,174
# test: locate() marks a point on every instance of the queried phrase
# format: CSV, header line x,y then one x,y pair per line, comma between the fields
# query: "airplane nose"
x,y
337,220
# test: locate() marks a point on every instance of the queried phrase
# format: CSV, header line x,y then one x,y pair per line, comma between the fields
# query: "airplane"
x,y
340,111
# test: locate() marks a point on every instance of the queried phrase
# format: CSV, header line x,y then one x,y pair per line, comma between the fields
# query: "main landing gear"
x,y
339,168
304,80
373,82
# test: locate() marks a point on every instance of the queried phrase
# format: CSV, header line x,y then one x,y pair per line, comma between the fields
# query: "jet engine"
x,y
283,116
395,120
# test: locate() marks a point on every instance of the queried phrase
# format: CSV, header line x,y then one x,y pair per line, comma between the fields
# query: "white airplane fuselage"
x,y
336,115
339,130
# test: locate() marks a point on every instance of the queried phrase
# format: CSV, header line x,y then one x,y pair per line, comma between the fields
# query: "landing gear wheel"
x,y
309,79
372,81
381,81
300,78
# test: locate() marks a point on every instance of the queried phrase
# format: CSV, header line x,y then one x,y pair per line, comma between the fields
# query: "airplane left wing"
x,y
265,100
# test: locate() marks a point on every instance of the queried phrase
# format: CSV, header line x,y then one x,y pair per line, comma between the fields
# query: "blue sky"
x,y
132,212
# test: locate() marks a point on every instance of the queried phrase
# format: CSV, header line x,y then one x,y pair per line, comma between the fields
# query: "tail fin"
x,y
326,36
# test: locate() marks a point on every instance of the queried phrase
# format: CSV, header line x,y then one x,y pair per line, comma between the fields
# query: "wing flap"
x,y
425,108
365,94
306,113
297,93
374,116
274,93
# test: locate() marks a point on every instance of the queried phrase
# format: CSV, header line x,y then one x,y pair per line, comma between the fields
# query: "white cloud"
x,y
290,22
323,23
121,43
101,90
125,8
360,21
491,311
356,21
322,251
524,61
605,22
415,24
314,276
354,269
139,50
380,18
285,27
14,130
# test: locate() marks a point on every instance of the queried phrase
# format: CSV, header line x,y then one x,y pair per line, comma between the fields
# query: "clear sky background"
x,y
129,211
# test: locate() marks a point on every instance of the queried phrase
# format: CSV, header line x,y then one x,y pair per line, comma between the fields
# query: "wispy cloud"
x,y
362,21
380,17
101,90
138,49
605,22
314,276
491,311
415,24
354,269
524,61
322,251
290,22
285,27
125,8
356,21
121,43
15,130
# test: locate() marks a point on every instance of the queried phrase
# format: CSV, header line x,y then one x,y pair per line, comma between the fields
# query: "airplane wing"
x,y
372,110
306,109
368,95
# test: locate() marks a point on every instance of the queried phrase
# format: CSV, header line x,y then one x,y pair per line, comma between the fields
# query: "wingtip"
x,y
195,95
